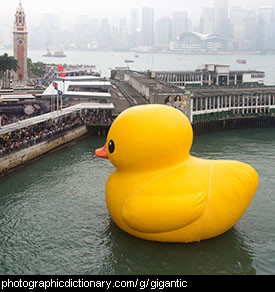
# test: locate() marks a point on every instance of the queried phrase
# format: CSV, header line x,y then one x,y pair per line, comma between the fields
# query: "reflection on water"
x,y
136,256
54,220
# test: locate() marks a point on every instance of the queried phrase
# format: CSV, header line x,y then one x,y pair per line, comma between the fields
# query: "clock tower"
x,y
20,44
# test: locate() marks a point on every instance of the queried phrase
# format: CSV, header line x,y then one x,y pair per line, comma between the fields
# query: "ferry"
x,y
241,61
129,61
57,54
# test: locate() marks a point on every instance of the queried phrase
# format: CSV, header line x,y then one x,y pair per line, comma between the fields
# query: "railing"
x,y
25,143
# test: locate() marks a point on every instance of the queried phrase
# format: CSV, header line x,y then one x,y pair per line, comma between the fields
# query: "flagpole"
x,y
57,100
62,95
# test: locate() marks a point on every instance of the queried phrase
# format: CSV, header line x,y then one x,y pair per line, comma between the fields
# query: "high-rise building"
x,y
105,34
134,28
20,44
123,34
265,40
237,27
82,31
207,20
221,18
180,24
163,32
251,29
148,26
50,30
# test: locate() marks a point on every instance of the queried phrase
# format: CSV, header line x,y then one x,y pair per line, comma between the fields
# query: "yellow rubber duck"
x,y
159,191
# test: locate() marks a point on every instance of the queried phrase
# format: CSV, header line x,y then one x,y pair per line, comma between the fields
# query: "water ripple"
x,y
54,219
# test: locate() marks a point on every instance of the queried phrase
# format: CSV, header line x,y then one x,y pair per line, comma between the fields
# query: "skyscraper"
x,y
251,29
104,34
134,28
237,27
266,28
207,20
180,24
148,26
221,18
123,34
163,32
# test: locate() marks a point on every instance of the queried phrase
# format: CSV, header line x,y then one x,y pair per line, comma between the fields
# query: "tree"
x,y
7,64
37,69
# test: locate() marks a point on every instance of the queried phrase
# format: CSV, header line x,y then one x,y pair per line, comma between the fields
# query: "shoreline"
x,y
11,162
7,50
21,158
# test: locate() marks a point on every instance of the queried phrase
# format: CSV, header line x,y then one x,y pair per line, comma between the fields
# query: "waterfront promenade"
x,y
28,139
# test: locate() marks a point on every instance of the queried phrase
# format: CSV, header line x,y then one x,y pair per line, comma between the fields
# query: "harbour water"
x,y
104,61
54,220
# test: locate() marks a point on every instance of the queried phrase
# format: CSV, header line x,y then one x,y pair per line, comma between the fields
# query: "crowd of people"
x,y
177,102
99,117
34,134
7,120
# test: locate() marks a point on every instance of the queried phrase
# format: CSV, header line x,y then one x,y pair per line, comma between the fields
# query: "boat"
x,y
57,54
129,61
136,56
241,61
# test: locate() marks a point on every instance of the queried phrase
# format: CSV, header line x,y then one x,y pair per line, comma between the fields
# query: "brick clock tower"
x,y
20,44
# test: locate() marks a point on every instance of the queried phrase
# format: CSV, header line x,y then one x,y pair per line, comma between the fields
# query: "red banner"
x,y
60,68
63,74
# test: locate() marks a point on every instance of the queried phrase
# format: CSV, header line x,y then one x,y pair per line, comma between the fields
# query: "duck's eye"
x,y
111,146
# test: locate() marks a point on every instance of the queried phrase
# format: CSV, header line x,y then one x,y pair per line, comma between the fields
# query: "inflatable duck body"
x,y
159,191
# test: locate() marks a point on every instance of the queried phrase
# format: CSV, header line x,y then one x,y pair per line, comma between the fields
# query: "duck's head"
x,y
148,137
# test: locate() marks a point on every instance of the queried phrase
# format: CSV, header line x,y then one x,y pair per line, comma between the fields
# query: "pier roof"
x,y
224,90
17,96
156,85
83,78
66,88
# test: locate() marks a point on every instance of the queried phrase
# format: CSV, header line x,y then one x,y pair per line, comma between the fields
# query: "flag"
x,y
63,74
55,85
60,68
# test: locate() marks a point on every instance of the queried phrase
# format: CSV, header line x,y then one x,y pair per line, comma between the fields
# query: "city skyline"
x,y
112,10
143,26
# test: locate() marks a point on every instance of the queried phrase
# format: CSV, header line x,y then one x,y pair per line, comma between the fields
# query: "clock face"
x,y
20,42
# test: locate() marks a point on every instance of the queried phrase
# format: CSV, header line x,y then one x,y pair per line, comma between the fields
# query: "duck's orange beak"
x,y
101,152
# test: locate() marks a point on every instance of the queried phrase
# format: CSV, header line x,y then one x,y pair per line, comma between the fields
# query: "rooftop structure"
x,y
212,75
81,88
153,90
198,42
217,103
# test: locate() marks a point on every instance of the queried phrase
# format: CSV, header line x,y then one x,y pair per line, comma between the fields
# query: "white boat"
x,y
241,61
129,61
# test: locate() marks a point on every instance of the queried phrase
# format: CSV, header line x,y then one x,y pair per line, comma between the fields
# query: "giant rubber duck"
x,y
159,191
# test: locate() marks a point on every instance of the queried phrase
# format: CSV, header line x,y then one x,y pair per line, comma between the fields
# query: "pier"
x,y
211,107
212,75
96,102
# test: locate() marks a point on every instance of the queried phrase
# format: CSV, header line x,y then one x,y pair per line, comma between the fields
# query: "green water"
x,y
53,217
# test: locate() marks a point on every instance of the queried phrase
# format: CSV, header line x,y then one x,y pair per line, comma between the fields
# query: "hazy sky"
x,y
111,9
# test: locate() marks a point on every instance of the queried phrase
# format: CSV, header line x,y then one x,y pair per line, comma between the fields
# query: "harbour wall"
x,y
10,162
212,126
13,160
205,127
